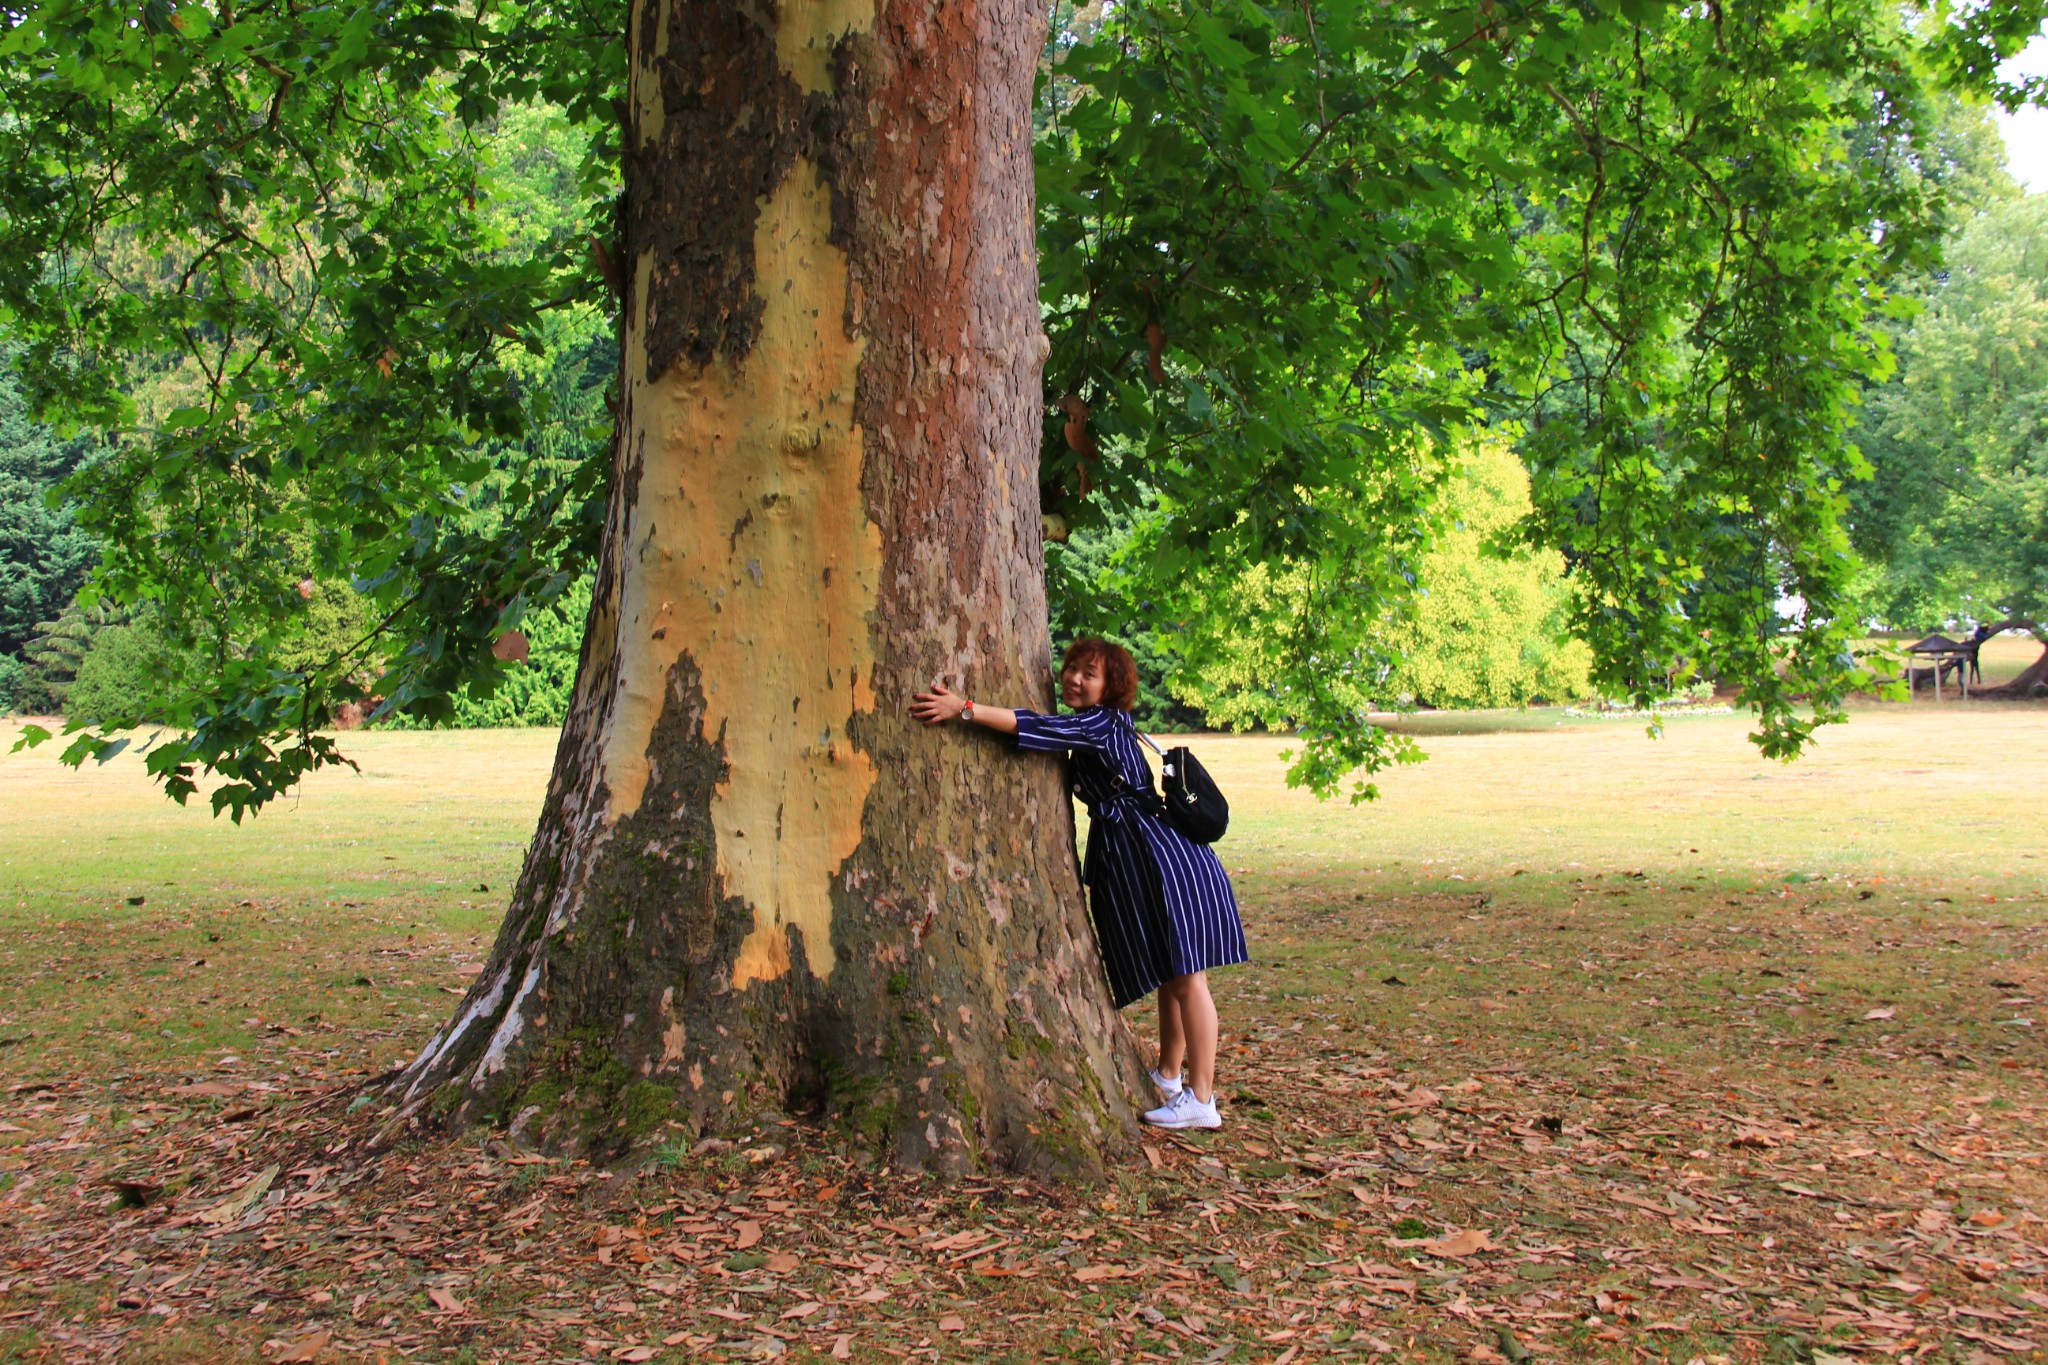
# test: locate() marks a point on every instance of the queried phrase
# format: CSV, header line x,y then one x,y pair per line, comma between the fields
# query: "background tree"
x,y
1487,626
54,656
1955,516
44,555
1491,626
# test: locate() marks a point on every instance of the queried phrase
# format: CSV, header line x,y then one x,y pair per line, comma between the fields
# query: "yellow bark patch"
x,y
805,31
645,88
754,555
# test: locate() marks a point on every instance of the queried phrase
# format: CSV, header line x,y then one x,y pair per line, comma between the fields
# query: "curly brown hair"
x,y
1119,669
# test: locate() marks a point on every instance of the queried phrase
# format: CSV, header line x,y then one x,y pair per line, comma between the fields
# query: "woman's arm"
x,y
942,704
1086,729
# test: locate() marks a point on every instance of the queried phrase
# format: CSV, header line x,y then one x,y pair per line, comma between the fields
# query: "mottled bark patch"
x,y
657,965
753,552
728,97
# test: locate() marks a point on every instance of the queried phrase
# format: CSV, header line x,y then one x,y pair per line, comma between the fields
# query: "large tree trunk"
x,y
756,883
2032,680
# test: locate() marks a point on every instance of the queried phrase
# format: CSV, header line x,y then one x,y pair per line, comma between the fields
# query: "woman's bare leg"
x,y
1197,1016
1173,1039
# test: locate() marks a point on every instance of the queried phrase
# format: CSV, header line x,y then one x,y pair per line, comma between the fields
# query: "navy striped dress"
x,y
1161,904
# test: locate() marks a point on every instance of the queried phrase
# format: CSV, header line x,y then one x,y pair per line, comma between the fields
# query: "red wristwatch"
x,y
966,709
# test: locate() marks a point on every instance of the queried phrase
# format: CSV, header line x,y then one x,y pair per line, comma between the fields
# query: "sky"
x,y
2026,133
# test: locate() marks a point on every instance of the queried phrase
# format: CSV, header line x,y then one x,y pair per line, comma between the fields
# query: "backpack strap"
x,y
1143,738
1123,788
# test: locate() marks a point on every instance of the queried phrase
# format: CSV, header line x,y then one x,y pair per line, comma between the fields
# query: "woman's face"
x,y
1081,683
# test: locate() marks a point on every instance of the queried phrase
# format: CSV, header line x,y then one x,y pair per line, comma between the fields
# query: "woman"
x,y
1163,909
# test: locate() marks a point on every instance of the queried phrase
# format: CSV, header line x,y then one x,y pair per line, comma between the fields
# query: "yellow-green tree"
x,y
1491,623
1488,626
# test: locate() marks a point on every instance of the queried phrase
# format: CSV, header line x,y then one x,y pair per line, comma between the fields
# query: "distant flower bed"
x,y
1696,700
1661,709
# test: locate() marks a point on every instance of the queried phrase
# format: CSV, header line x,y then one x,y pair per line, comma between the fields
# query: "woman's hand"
x,y
937,706
942,704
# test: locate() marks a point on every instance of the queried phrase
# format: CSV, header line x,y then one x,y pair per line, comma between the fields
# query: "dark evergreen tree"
x,y
44,555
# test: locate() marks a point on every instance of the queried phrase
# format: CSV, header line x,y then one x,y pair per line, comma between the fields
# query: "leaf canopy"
x,y
1291,255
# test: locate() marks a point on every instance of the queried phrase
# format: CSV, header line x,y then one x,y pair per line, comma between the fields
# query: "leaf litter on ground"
x,y
1651,1158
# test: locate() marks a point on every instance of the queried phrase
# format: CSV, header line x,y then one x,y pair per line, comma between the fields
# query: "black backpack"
x,y
1193,804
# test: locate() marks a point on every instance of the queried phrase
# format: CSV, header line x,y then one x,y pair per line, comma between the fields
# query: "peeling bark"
x,y
756,883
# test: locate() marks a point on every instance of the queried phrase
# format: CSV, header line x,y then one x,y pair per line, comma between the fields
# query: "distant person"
x,y
1163,909
1976,642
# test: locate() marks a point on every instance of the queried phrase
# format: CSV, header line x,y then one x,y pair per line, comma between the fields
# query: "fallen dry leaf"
x,y
952,1323
242,1200
750,1233
1421,1097
1458,1245
303,1348
446,1301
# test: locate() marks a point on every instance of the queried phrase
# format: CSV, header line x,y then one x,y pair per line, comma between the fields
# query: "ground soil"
x,y
1576,1045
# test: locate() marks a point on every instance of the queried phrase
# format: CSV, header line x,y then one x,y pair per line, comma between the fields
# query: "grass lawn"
x,y
1576,1043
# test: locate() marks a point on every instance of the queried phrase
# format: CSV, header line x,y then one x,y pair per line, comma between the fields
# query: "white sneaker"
x,y
1183,1110
1169,1086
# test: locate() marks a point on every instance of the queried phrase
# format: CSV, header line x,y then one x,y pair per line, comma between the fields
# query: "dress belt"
x,y
1114,807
